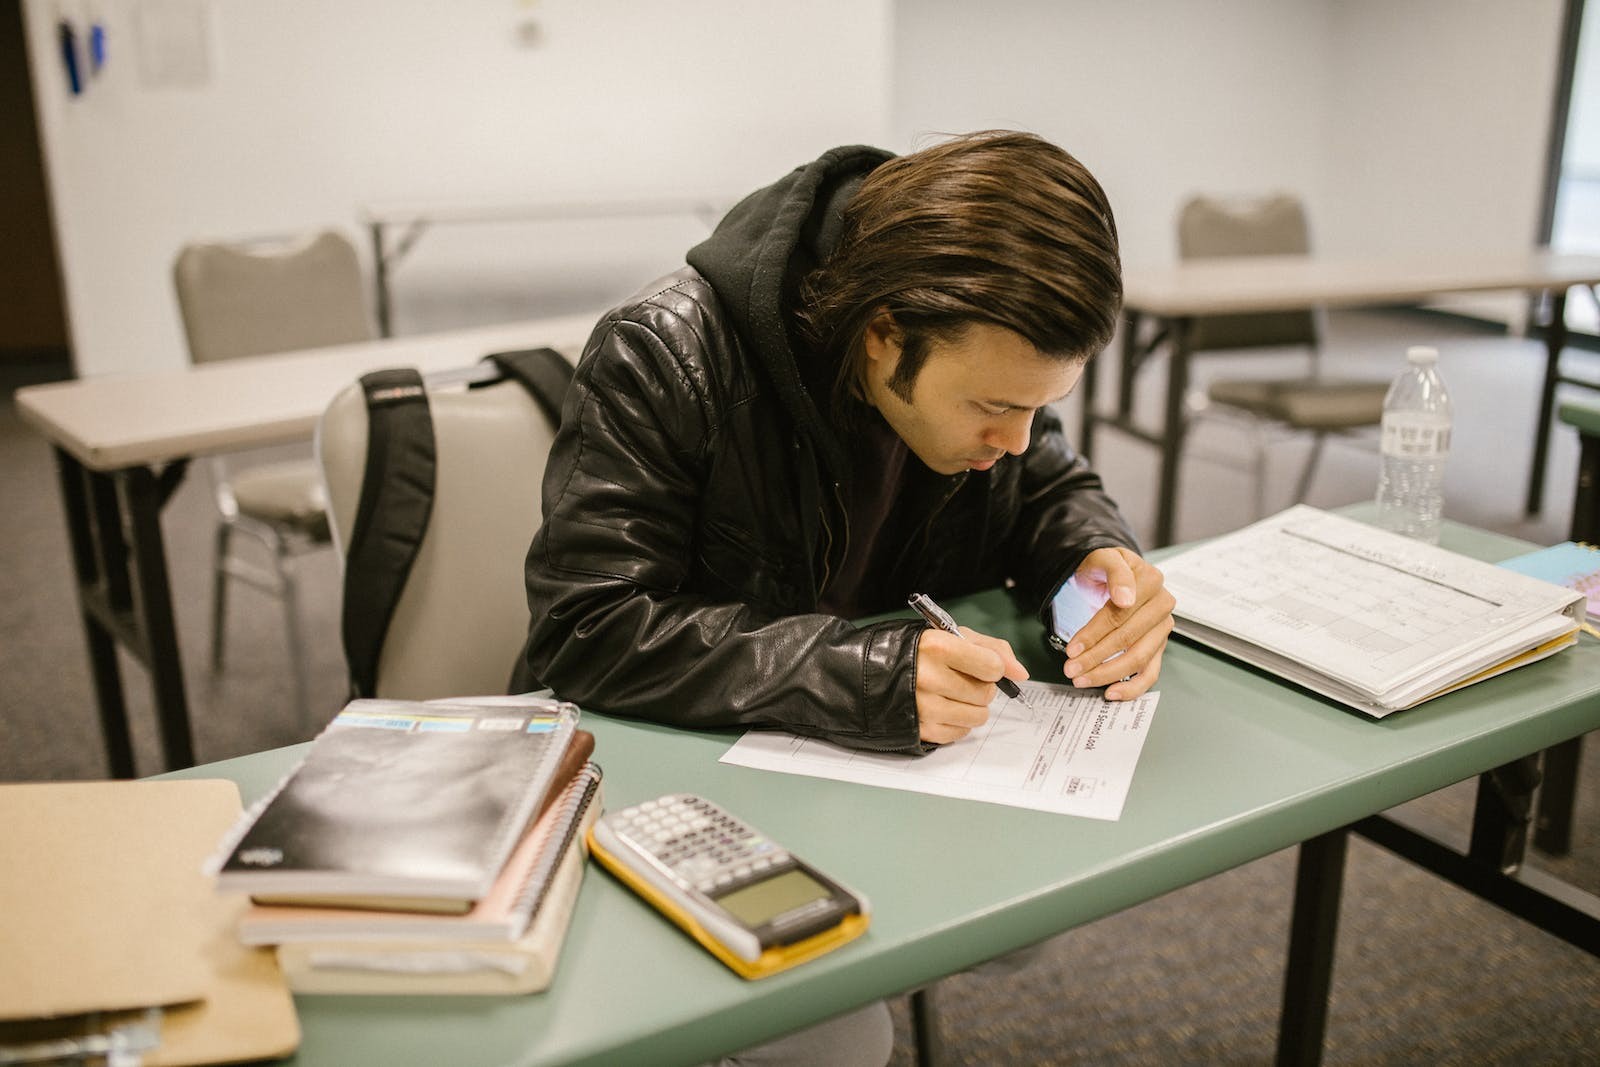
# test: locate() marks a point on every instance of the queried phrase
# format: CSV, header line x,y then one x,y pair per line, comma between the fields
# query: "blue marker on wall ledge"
x,y
97,46
69,55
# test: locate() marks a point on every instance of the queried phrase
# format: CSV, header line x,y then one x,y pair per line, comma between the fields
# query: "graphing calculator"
x,y
746,899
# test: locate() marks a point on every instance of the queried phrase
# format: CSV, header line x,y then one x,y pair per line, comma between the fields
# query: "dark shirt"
x,y
869,501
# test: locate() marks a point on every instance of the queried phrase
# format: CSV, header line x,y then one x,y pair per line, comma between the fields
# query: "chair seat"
x,y
284,493
1585,417
1306,403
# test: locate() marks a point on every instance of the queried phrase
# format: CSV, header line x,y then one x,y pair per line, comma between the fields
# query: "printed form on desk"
x,y
1066,751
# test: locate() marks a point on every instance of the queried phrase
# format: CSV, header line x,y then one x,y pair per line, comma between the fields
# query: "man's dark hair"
x,y
997,227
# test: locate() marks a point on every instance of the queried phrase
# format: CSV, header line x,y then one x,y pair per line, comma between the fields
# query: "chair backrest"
x,y
252,298
462,616
1210,227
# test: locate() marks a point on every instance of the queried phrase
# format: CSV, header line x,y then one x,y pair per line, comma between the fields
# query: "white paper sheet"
x,y
1070,752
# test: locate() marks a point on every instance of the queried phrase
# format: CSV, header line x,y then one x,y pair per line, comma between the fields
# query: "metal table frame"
x,y
1176,297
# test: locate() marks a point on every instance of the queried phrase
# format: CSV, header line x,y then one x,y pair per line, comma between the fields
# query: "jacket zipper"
x,y
827,528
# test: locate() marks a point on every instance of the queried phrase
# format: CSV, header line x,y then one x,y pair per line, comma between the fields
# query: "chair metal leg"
x,y
1310,468
291,621
1262,447
219,594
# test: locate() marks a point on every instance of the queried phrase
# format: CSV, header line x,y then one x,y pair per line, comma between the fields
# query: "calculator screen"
x,y
758,904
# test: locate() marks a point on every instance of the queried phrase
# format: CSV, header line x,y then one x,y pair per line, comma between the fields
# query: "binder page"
x,y
1066,751
1363,606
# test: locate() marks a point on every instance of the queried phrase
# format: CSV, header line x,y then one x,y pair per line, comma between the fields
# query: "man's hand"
x,y
956,681
1121,645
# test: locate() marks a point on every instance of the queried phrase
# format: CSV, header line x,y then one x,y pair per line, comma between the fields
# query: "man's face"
x,y
974,399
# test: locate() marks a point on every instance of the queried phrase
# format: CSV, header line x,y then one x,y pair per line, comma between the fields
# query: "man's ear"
x,y
882,340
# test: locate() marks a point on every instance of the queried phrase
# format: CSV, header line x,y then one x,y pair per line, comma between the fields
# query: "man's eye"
x,y
996,409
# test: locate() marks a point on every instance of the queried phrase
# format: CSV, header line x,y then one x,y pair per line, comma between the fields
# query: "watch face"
x,y
1072,607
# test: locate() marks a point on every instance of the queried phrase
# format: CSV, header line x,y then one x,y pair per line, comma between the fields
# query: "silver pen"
x,y
923,605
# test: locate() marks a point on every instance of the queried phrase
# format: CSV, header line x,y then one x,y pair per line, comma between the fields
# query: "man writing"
x,y
843,399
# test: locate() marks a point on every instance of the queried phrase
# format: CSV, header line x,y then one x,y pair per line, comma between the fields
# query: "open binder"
x,y
1364,616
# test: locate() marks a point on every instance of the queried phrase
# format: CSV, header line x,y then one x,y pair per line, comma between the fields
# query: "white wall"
x,y
1160,99
1439,120
1405,124
316,106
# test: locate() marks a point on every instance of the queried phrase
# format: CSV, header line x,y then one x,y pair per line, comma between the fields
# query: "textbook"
x,y
424,966
502,915
1364,616
401,804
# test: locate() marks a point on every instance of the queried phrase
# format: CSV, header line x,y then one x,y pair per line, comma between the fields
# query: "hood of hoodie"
x,y
758,253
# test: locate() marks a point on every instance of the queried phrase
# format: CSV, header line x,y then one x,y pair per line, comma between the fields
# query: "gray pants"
x,y
860,1038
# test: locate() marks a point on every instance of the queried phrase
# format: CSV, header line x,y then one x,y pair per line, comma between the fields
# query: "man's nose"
x,y
1012,434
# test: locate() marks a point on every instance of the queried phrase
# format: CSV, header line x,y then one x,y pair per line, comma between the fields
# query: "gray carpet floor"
x,y
1425,974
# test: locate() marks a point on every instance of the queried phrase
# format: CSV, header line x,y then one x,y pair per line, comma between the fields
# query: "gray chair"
x,y
462,616
254,298
1210,227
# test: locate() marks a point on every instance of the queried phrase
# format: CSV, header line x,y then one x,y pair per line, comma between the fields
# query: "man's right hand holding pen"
x,y
956,676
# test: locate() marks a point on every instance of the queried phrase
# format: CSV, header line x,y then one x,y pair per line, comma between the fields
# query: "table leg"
x,y
1555,338
1172,431
1586,499
1129,369
119,561
1502,813
1313,931
380,278
143,495
79,501
925,1027
1086,412
1552,830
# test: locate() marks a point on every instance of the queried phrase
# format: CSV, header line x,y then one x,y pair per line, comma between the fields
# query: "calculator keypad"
x,y
703,846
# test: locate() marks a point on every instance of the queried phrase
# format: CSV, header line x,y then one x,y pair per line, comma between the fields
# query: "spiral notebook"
x,y
1571,564
412,962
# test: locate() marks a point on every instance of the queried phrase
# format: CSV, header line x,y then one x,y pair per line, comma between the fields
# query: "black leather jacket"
x,y
693,512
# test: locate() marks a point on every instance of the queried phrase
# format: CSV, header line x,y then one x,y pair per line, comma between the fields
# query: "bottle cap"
x,y
1422,354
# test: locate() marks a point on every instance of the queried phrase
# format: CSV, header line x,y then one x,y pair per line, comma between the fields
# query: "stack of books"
x,y
421,848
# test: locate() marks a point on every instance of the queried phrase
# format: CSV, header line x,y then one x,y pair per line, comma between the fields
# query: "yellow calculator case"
x,y
750,903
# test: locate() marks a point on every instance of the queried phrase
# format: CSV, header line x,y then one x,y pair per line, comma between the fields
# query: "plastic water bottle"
x,y
1416,442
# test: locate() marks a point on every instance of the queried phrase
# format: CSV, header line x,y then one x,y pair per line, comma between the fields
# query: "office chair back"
x,y
1211,227
254,298
462,616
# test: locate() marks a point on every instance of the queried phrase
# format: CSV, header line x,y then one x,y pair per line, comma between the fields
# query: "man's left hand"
x,y
1122,644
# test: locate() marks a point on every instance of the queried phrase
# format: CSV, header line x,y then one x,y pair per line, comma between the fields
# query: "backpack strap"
x,y
543,372
396,501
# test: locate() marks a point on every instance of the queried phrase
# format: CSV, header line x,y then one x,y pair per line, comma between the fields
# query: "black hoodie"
x,y
692,509
755,259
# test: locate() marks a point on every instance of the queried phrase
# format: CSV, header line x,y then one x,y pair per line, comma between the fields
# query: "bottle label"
x,y
1413,438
